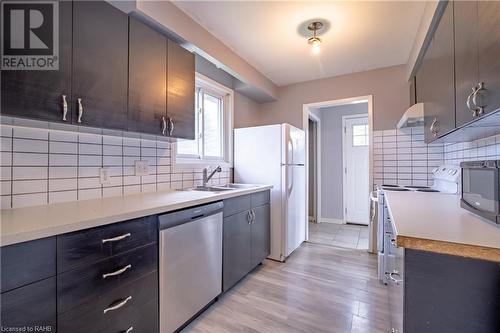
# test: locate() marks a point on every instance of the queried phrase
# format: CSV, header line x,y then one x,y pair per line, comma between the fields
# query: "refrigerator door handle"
x,y
290,188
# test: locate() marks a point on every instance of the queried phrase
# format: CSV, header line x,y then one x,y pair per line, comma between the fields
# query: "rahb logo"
x,y
30,35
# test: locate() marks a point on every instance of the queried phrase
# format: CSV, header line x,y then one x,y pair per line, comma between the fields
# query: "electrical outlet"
x,y
105,179
141,168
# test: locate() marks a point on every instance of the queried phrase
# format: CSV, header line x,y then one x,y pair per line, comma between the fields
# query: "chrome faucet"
x,y
207,177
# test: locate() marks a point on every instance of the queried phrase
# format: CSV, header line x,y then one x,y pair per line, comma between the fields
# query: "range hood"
x,y
413,117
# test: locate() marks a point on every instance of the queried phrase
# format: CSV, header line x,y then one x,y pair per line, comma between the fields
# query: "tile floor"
x,y
343,235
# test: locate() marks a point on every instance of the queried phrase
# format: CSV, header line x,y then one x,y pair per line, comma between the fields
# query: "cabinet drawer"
x,y
140,311
237,205
24,263
80,285
88,246
260,198
30,306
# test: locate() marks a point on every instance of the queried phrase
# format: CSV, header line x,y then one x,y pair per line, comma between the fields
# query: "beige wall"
x,y
388,86
246,111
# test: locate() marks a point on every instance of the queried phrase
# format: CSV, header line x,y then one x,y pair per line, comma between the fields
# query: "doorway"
x,y
356,169
314,166
331,224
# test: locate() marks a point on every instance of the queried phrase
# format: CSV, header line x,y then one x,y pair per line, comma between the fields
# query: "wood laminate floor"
x,y
319,289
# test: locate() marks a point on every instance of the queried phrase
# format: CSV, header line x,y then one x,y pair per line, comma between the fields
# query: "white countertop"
x,y
24,224
435,222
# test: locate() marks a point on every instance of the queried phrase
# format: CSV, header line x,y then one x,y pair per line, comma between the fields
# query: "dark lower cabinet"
x,y
261,228
100,65
147,97
435,79
180,92
30,307
101,314
39,94
246,239
237,244
445,293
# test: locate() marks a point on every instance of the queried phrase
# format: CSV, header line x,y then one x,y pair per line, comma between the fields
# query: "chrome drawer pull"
x,y
392,278
130,329
118,305
117,238
118,272
64,107
80,110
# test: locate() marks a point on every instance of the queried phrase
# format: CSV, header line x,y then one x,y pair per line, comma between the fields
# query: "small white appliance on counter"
x,y
275,155
446,180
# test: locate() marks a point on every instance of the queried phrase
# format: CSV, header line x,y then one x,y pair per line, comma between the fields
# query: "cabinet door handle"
x,y
163,126
435,127
479,106
117,305
117,238
64,107
128,330
80,110
392,278
249,217
118,272
253,216
171,126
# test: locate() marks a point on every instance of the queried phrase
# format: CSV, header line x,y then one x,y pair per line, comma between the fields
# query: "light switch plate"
x,y
105,179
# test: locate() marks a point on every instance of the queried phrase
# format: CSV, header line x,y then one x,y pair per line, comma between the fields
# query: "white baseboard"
x,y
327,220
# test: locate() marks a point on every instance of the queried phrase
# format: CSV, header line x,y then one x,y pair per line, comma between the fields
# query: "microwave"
x,y
480,189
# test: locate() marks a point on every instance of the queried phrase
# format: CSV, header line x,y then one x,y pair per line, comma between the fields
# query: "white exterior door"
x,y
356,170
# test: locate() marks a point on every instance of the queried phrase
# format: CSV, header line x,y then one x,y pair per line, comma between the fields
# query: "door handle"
x,y
118,272
80,110
117,305
479,106
128,330
249,217
435,127
117,238
163,126
64,107
171,126
253,215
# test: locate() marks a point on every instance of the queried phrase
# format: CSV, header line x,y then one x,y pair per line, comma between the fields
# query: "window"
x,y
213,125
360,135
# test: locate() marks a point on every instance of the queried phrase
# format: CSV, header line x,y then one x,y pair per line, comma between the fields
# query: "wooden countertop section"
x,y
435,222
24,224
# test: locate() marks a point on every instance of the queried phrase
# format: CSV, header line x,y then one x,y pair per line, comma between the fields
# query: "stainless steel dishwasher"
x,y
190,263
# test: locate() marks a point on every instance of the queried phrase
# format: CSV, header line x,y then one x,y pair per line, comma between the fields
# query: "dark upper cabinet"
x,y
147,106
466,53
435,80
180,92
39,94
261,227
488,19
100,65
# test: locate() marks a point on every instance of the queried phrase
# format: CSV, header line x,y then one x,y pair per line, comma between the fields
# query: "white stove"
x,y
446,180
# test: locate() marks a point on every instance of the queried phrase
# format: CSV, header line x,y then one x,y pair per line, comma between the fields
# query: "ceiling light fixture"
x,y
315,41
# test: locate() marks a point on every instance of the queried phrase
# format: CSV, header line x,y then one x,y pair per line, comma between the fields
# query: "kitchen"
x,y
154,180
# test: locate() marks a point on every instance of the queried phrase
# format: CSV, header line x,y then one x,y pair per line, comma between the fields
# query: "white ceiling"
x,y
363,34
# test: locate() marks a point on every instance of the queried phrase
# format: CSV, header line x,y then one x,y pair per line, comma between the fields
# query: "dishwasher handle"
x,y
173,219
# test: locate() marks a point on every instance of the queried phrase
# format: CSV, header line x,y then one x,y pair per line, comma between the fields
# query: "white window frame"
x,y
187,162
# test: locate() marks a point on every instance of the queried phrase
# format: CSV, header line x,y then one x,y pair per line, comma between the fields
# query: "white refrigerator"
x,y
275,155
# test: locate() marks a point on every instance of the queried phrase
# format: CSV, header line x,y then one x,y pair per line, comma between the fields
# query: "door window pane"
x,y
359,135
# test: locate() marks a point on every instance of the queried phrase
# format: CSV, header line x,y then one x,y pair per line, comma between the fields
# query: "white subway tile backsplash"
x,y
64,196
30,159
19,173
25,200
63,147
63,160
51,166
